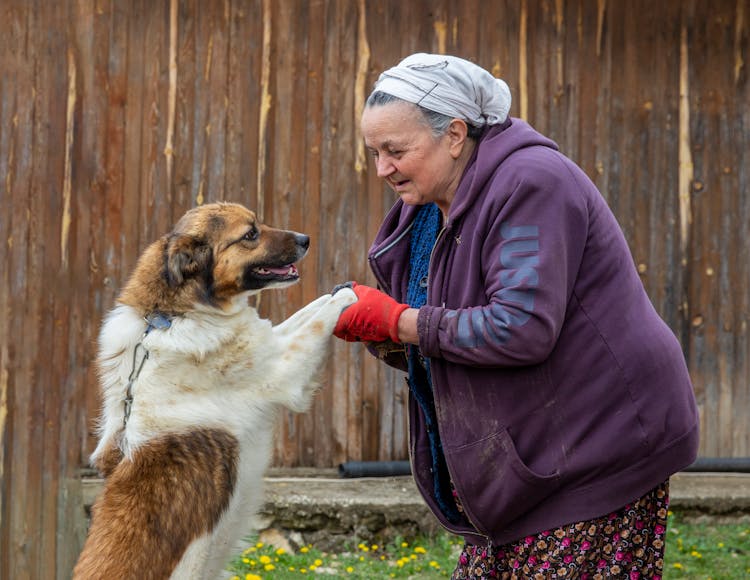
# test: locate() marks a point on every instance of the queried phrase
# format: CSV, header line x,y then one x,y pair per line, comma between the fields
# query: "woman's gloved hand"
x,y
372,318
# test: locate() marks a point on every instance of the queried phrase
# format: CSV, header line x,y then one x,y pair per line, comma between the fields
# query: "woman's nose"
x,y
384,166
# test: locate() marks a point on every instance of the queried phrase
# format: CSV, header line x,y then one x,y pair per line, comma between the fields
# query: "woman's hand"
x,y
373,318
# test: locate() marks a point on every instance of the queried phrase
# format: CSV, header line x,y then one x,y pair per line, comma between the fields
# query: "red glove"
x,y
372,318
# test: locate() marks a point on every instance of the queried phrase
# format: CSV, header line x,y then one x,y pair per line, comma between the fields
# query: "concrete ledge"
x,y
718,496
319,507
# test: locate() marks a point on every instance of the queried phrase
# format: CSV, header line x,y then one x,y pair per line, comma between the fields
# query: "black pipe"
x,y
723,464
352,469
374,468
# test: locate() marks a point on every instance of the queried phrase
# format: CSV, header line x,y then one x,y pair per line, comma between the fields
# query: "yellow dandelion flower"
x,y
349,569
235,578
303,570
677,565
313,567
404,544
246,560
304,549
280,552
318,562
292,568
253,563
259,545
420,550
269,567
434,564
374,547
361,558
721,544
252,577
412,556
382,557
400,563
696,554
265,560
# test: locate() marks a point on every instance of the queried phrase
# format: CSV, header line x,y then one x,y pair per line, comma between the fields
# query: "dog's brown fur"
x,y
174,490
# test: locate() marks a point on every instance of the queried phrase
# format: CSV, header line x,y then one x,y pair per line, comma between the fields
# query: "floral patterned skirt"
x,y
628,543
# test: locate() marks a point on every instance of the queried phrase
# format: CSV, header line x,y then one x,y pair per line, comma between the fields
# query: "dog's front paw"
x,y
343,297
343,285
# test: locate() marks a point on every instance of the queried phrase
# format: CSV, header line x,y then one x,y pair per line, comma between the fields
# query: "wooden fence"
x,y
116,116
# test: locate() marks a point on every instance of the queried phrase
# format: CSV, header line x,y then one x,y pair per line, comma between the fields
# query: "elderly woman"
x,y
549,403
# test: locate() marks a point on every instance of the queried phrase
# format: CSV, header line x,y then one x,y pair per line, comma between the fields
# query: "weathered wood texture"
x,y
115,117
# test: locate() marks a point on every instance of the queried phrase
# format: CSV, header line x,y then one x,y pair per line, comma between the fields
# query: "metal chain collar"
x,y
154,320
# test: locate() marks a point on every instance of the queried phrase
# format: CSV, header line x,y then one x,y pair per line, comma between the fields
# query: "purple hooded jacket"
x,y
560,393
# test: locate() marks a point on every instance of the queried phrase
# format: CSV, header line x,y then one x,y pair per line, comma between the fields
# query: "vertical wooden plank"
x,y
336,205
112,80
377,200
317,426
695,159
735,177
153,193
215,78
58,262
279,198
133,145
15,122
245,44
467,16
186,107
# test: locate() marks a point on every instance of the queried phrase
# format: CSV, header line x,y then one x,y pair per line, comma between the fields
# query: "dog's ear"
x,y
186,257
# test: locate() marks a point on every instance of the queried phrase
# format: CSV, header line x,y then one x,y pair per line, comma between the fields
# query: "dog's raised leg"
x,y
305,347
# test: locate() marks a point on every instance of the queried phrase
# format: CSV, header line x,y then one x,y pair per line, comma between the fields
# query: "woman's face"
x,y
418,166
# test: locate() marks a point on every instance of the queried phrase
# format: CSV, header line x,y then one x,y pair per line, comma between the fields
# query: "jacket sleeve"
x,y
530,258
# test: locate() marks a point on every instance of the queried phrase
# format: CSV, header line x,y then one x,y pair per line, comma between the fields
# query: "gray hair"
x,y
437,122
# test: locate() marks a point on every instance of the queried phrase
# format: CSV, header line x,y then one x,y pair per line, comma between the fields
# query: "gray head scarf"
x,y
448,85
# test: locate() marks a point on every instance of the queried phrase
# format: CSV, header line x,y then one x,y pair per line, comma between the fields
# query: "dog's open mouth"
x,y
288,272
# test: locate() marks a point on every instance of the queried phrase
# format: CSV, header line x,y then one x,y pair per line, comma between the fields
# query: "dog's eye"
x,y
251,235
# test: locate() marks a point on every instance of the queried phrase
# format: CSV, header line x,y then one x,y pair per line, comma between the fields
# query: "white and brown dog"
x,y
191,376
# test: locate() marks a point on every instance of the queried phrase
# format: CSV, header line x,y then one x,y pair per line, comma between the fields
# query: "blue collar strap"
x,y
158,321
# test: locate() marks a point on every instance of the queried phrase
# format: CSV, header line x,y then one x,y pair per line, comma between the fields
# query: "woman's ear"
x,y
457,135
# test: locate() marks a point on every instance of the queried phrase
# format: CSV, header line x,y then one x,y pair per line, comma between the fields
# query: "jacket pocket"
x,y
493,484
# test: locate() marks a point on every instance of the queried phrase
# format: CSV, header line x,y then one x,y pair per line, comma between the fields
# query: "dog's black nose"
x,y
302,240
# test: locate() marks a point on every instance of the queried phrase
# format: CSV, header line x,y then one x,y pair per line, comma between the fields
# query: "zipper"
x,y
447,526
393,243
477,530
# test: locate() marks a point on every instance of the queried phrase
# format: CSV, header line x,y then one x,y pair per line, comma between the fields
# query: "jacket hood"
x,y
497,144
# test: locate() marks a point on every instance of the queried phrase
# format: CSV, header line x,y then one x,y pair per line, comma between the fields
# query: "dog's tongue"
x,y
284,270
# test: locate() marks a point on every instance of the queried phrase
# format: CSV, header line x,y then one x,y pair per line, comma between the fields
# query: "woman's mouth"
x,y
398,185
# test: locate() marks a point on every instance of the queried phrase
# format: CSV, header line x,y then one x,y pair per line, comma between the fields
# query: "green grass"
x,y
707,551
694,551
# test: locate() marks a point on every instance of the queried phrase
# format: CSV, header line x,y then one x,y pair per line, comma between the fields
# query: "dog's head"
x,y
215,254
